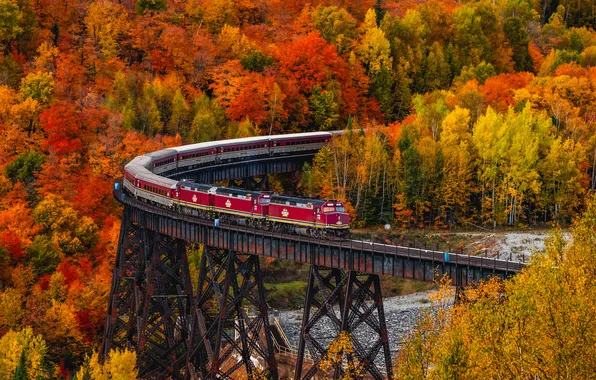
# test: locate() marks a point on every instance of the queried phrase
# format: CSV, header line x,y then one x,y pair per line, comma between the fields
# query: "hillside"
x,y
456,112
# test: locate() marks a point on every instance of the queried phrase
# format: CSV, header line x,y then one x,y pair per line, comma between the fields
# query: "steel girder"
x,y
150,306
338,301
231,336
123,305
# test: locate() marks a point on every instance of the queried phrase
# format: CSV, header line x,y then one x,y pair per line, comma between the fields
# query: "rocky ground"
x,y
400,314
516,246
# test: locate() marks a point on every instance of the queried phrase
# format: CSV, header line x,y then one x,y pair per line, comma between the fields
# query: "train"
x,y
146,179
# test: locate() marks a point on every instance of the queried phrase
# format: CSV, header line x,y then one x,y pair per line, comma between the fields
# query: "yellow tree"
x,y
11,309
562,190
107,25
486,136
120,365
525,140
67,229
341,350
375,50
13,343
457,184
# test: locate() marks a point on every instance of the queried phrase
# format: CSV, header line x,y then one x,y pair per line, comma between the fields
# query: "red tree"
x,y
64,129
11,242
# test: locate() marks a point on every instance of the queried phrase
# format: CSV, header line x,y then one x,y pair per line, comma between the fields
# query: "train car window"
x,y
318,210
340,209
328,209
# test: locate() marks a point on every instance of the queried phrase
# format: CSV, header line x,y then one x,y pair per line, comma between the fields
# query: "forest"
x,y
455,112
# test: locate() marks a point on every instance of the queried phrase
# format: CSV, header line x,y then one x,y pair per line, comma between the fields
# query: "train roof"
x,y
162,153
157,180
202,187
215,144
134,168
247,140
197,146
142,161
300,135
236,192
296,201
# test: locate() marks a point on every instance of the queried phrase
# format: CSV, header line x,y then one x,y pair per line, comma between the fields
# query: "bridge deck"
x,y
347,254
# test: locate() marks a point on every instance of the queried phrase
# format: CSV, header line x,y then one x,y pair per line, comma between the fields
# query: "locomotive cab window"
x,y
328,209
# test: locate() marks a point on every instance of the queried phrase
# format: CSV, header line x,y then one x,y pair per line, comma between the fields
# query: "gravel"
x,y
400,315
516,246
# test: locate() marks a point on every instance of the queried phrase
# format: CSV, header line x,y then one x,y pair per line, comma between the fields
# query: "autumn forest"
x,y
455,112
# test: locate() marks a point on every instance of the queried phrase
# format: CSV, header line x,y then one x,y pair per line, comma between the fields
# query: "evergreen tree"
x,y
20,372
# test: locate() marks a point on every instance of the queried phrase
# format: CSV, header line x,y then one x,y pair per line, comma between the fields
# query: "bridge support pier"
x,y
344,302
150,305
231,337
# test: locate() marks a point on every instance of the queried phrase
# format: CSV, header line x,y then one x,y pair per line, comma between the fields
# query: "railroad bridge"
x,y
221,329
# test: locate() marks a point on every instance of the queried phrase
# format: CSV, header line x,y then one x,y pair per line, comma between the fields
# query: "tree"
x,y
562,178
107,24
38,86
243,129
209,121
25,166
457,184
219,13
12,346
11,309
434,72
340,349
375,50
120,365
486,135
20,372
515,32
256,61
70,232
499,90
180,114
65,129
336,26
144,6
43,255
10,19
324,108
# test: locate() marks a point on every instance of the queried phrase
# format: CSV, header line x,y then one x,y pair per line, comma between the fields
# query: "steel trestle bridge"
x,y
220,328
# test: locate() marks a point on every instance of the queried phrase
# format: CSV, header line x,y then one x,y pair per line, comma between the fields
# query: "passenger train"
x,y
145,178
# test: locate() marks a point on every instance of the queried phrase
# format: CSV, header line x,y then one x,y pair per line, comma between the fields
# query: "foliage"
x,y
120,365
25,166
38,86
10,18
20,372
340,349
538,324
14,345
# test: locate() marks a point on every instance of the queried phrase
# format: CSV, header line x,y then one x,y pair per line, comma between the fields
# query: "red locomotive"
x,y
260,210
